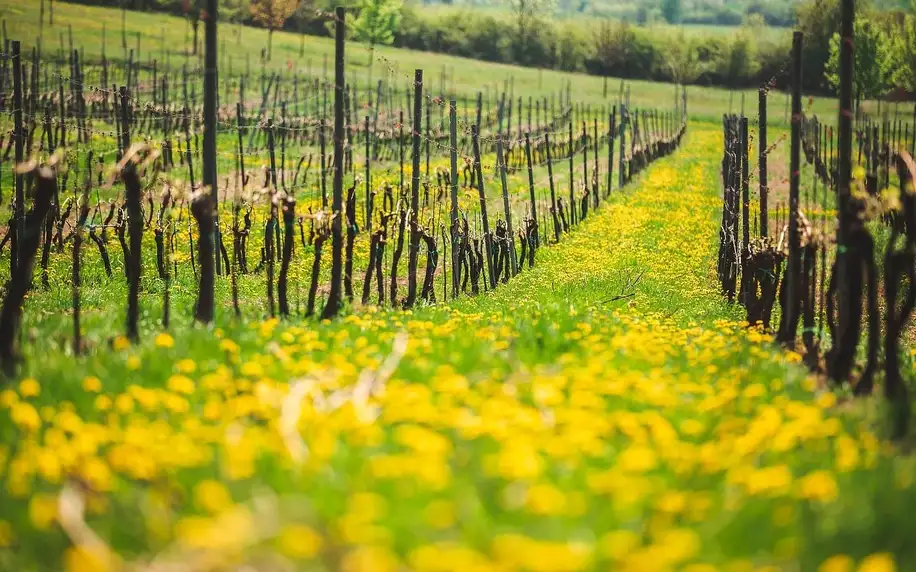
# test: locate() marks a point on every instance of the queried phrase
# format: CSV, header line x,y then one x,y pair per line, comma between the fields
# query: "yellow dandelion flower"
x,y
369,559
618,543
164,340
102,403
680,544
212,496
92,384
545,499
180,384
878,562
86,559
124,403
252,369
818,486
186,365
8,398
25,416
228,345
826,400
43,511
837,563
637,459
299,542
29,387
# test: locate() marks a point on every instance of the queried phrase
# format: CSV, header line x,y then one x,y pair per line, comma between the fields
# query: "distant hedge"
x,y
747,57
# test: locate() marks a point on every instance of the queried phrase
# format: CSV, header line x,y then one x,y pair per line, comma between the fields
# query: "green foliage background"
x,y
739,44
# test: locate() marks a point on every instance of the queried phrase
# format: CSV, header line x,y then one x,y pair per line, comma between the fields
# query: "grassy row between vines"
x,y
558,423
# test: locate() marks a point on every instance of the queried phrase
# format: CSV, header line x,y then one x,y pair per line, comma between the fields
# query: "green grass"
x,y
603,409
165,38
545,424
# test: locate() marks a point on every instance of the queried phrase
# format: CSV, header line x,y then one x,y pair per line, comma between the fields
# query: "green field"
x,y
603,409
164,38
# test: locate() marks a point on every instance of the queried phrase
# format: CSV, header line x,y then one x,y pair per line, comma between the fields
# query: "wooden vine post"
x,y
848,265
762,158
413,253
332,307
18,231
501,165
453,195
746,275
485,221
204,206
531,197
211,84
791,308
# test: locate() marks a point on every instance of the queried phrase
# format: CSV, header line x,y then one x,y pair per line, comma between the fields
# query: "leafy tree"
x,y
613,42
872,62
375,25
528,15
233,10
192,11
672,10
818,20
272,14
738,62
683,58
903,52
755,21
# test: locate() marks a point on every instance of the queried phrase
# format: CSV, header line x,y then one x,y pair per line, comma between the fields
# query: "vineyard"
x,y
352,317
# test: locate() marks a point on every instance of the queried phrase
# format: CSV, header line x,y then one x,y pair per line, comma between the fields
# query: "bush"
x,y
614,47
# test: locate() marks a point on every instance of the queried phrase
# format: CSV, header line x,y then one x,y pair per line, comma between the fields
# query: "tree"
x,y
528,14
817,20
739,61
683,59
903,52
375,25
872,64
672,10
272,14
192,11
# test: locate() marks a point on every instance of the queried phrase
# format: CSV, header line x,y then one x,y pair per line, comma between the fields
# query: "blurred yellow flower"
x,y
212,496
186,365
369,559
618,543
879,562
818,486
29,387
164,340
228,345
25,416
299,541
42,511
837,563
88,559
180,384
92,384
637,459
6,534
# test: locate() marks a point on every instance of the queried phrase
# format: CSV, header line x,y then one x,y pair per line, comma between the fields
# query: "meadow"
x,y
164,38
